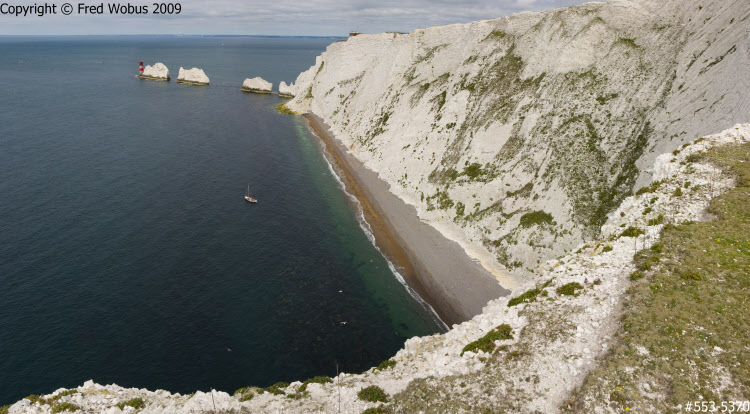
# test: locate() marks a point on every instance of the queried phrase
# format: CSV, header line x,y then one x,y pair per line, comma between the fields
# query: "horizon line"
x,y
171,34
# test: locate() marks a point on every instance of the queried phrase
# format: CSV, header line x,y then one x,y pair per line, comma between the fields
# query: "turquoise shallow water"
x,y
127,253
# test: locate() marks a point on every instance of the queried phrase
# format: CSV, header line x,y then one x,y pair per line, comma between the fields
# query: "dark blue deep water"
x,y
127,252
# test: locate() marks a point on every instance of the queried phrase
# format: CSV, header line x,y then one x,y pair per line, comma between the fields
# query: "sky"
x,y
270,17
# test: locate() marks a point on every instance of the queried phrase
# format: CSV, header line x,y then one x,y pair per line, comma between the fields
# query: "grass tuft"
x,y
569,289
52,400
65,406
373,393
650,188
656,221
244,394
487,343
34,398
536,218
496,35
529,295
629,42
276,389
632,232
314,380
319,380
133,402
637,275
377,410
389,363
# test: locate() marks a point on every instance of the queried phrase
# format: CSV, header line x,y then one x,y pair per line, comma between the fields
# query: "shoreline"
x,y
244,89
192,82
151,78
438,269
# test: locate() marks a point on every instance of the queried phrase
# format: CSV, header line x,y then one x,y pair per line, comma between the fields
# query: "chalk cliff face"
x,y
517,137
193,75
257,84
159,71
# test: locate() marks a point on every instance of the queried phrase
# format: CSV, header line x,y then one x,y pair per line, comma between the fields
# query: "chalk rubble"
x,y
194,75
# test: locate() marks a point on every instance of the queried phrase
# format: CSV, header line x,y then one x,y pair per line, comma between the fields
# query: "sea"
x,y
128,254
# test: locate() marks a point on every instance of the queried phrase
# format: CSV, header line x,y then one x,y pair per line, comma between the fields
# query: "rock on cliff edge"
x,y
193,75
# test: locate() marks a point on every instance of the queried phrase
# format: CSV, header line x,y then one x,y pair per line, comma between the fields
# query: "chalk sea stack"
x,y
192,76
256,85
286,91
157,72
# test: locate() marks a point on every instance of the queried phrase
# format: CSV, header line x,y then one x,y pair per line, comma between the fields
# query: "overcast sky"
x,y
274,17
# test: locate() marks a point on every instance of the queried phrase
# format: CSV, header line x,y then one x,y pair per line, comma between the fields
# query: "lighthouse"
x,y
140,68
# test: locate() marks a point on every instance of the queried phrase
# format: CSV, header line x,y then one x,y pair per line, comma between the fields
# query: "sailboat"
x,y
247,196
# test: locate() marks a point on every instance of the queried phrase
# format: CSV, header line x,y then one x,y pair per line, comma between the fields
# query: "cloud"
x,y
282,17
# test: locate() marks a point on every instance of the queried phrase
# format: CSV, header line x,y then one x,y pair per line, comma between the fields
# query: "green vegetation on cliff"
x,y
373,393
285,110
133,402
487,343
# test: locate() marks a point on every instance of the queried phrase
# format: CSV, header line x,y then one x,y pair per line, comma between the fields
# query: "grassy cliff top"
x,y
686,331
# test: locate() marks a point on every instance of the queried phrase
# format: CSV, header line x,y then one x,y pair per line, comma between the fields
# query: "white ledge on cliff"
x,y
256,85
286,91
157,72
192,76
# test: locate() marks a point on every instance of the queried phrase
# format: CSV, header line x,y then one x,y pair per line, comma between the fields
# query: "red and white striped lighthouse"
x,y
140,67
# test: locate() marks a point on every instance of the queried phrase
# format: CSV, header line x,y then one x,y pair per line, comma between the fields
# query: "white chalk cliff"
x,y
194,75
257,84
517,136
288,90
159,71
